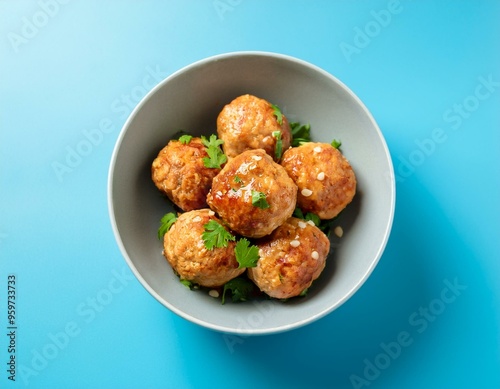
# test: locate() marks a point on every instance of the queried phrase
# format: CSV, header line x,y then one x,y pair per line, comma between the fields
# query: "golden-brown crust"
x,y
248,122
184,249
179,172
291,258
325,178
231,197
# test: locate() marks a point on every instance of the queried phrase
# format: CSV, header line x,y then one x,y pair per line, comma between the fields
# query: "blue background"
x,y
83,321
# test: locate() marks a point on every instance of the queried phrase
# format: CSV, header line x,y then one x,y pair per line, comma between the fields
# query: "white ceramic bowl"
x,y
190,100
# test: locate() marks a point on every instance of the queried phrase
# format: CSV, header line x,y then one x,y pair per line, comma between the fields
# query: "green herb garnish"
x,y
259,200
277,112
336,143
278,150
304,292
315,218
323,225
301,133
240,288
185,139
237,179
216,158
246,255
166,222
187,283
216,235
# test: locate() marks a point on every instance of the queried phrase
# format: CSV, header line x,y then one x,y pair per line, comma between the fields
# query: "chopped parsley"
x,y
240,288
304,292
259,200
277,112
237,179
247,255
315,218
301,133
278,150
323,225
185,139
165,224
216,158
187,283
336,143
216,235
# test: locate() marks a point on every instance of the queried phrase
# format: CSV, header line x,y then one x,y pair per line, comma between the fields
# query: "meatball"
x,y
253,194
248,122
291,258
325,178
179,172
186,252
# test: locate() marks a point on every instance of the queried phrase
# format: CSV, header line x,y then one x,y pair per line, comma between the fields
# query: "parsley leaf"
x,y
185,139
278,114
216,235
308,216
237,179
241,289
187,283
259,200
297,212
300,133
216,157
166,222
246,255
278,150
304,292
212,141
323,225
336,143
315,218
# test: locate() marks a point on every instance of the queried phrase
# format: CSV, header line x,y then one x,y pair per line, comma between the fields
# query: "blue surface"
x,y
429,316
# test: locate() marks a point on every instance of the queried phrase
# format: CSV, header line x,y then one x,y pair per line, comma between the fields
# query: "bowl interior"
x,y
190,100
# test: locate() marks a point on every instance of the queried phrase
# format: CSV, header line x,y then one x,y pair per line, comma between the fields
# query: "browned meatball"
x,y
179,172
324,177
291,258
253,194
186,252
248,122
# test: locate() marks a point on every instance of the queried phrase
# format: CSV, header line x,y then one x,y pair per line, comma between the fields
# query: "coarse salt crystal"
x,y
213,293
256,157
310,222
306,192
338,231
211,213
302,225
197,219
295,243
315,255
321,176
317,149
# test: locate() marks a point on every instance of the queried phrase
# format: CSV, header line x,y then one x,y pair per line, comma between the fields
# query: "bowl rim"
x,y
249,331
